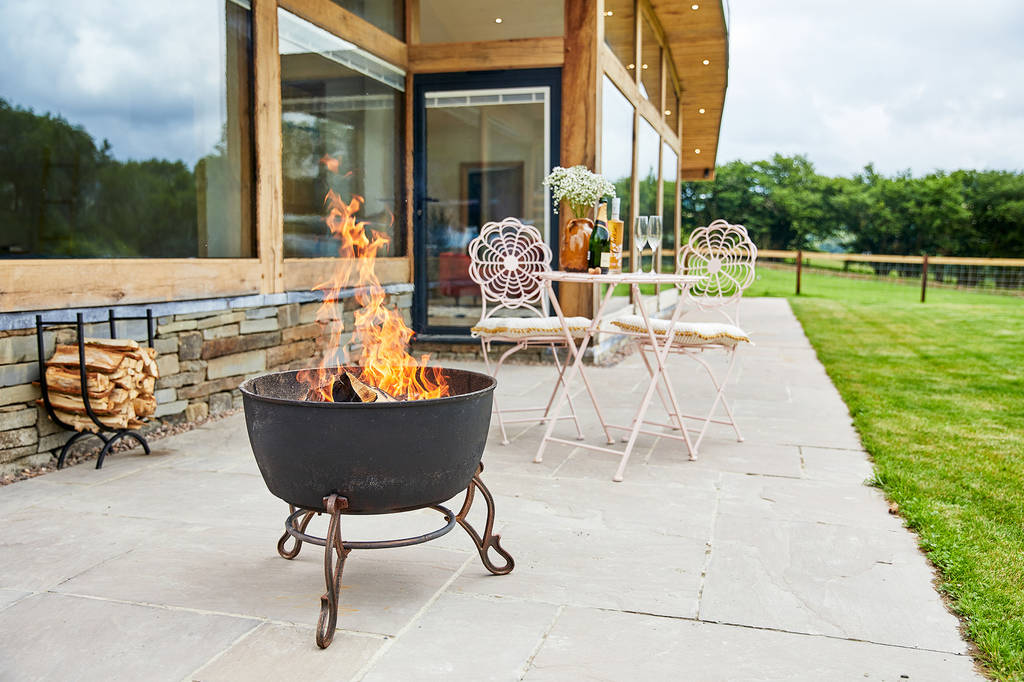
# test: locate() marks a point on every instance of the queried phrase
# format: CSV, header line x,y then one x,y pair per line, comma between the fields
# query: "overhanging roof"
x,y
693,36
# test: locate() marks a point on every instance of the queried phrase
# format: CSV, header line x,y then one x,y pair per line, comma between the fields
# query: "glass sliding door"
x,y
482,154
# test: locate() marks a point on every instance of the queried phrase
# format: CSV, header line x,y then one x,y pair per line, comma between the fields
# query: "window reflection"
x,y
387,15
617,150
620,30
647,145
670,194
650,63
125,129
340,101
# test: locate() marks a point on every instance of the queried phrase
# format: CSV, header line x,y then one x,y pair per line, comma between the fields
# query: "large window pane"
x,y
620,30
342,102
387,15
647,145
457,21
650,63
617,151
672,109
670,193
125,129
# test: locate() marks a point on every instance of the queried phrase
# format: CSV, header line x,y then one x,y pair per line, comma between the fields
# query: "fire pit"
x,y
375,458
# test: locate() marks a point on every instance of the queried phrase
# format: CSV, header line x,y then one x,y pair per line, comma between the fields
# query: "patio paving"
x,y
763,560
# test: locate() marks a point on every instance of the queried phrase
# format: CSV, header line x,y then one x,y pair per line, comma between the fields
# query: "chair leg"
x,y
497,368
494,397
661,396
719,397
568,395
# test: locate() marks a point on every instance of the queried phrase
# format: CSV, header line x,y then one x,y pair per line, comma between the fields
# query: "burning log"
x,y
348,388
120,380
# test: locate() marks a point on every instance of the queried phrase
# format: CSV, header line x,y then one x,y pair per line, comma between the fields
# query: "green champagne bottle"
x,y
601,240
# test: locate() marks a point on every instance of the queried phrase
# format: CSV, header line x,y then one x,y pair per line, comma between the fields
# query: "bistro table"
x,y
657,374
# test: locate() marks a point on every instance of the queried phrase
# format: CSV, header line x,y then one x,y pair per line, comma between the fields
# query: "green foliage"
x,y
62,195
786,204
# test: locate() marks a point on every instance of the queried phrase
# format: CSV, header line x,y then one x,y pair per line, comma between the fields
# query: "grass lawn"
x,y
936,391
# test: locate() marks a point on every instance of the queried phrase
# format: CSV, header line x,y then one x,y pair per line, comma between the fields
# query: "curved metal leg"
x,y
68,444
301,526
328,620
489,539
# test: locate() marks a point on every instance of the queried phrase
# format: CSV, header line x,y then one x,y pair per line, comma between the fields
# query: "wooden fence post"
x,y
924,276
799,267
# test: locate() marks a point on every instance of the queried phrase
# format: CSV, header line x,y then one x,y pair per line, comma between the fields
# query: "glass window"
x,y
650,63
387,15
670,194
340,102
647,145
620,30
457,21
487,152
125,129
617,150
672,109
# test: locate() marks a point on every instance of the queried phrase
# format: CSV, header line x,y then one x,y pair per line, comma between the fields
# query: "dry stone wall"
x,y
203,356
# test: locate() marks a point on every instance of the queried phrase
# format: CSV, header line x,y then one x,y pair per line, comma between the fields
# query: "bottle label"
x,y
606,259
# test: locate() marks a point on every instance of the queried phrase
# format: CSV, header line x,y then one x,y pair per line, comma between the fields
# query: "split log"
x,y
145,405
113,344
121,379
96,359
65,380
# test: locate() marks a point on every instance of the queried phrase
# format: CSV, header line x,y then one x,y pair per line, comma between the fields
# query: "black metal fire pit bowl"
x,y
375,458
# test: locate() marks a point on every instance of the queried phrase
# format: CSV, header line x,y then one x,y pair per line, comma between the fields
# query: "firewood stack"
x,y
121,380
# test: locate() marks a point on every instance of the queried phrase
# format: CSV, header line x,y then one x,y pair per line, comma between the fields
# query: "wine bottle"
x,y
615,228
600,240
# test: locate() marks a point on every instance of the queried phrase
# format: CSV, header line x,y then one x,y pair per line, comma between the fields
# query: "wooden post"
x,y
924,276
799,267
579,133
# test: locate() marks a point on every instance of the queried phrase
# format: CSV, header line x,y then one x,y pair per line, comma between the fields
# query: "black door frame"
x,y
469,80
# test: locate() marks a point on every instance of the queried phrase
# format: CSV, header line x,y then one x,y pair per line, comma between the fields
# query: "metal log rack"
x,y
83,372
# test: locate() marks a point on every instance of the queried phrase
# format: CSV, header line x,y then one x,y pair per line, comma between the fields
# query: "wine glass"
x,y
654,238
641,233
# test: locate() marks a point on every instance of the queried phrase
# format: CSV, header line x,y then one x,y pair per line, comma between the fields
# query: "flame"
x,y
380,330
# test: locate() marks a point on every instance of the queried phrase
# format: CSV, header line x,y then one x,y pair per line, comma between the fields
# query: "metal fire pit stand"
x,y
117,434
336,550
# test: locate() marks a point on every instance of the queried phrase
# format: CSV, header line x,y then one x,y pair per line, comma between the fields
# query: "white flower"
x,y
578,186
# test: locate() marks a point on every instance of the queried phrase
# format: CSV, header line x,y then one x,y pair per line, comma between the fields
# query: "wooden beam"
x,y
350,27
522,53
57,283
580,94
267,133
302,274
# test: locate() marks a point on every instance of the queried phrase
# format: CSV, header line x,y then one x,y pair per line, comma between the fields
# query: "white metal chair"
x,y
507,257
724,256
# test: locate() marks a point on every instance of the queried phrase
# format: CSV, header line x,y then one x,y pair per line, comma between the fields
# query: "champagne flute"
x,y
641,233
654,237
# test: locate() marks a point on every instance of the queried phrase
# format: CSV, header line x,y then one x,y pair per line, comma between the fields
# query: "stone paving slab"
x,y
594,644
766,559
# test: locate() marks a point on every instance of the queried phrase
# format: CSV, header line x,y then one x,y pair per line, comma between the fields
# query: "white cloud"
x,y
914,84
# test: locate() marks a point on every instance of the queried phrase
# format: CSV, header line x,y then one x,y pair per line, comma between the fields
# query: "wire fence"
x,y
989,275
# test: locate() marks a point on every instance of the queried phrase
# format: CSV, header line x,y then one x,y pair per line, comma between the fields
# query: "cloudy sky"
x,y
905,84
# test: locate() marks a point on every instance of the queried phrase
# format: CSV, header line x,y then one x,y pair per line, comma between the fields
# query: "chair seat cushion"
x,y
688,333
529,327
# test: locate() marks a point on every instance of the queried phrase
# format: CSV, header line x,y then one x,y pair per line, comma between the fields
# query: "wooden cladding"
x,y
522,53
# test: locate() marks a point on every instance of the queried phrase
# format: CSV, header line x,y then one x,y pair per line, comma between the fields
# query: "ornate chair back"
x,y
724,256
507,257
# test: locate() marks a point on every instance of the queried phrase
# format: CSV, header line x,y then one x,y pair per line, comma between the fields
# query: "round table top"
x,y
620,277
